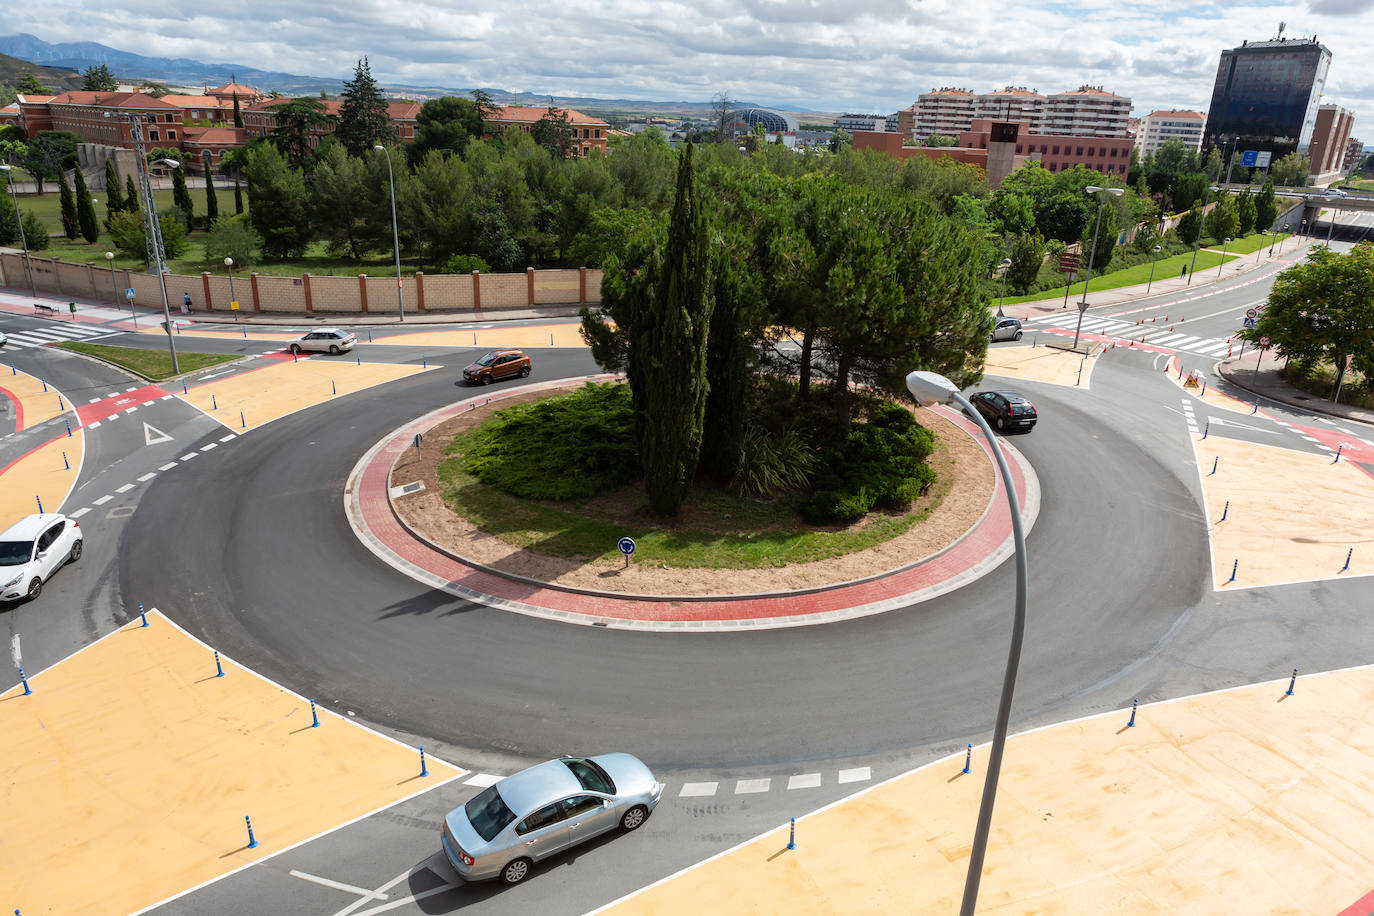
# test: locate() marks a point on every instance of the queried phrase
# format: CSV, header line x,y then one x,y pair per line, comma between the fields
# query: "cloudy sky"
x,y
818,55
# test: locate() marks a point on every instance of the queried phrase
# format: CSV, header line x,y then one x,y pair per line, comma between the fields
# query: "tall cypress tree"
x,y
671,347
85,211
238,115
364,120
114,197
181,197
211,204
130,194
69,223
238,196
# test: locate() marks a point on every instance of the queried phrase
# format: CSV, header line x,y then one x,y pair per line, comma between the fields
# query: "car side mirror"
x,y
41,555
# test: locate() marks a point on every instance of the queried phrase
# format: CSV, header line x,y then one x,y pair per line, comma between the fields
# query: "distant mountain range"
x,y
182,71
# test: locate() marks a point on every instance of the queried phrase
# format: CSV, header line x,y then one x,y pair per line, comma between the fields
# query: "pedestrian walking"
x,y
185,303
1184,272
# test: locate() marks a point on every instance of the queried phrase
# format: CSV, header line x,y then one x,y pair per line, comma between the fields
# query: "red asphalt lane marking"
x,y
1351,447
976,545
118,403
18,408
1100,338
1362,907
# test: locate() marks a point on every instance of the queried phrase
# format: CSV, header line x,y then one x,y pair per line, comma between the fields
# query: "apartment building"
x,y
1014,103
1088,111
942,111
1330,139
1158,127
1057,152
1354,152
1266,95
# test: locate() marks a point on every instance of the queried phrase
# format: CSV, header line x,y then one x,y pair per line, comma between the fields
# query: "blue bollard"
x,y
1204,388
1035,341
243,424
359,359
294,357
314,718
40,503
332,385
68,464
1180,370
141,614
245,332
69,429
424,362
1234,566
219,669
424,770
1079,380
1349,553
1291,681
369,335
1256,410
214,402
1224,509
551,340
1207,429
1134,703
252,841
1214,465
968,758
60,405
25,681
45,386
177,324
183,387
792,835
1339,446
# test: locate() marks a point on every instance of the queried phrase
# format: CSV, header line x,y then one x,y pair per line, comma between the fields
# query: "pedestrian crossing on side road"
x,y
1150,334
56,333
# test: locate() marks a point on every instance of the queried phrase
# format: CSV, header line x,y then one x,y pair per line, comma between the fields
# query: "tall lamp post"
x,y
395,234
931,388
114,288
233,301
1331,222
1223,256
1006,262
28,265
1153,259
1102,195
153,226
1198,239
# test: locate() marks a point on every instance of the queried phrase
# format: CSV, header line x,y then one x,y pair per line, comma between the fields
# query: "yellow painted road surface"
x,y
1293,515
34,405
1245,801
40,474
1039,364
526,337
245,400
128,772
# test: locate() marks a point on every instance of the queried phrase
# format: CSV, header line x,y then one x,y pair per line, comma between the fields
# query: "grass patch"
x,y
1131,276
1320,381
1252,243
151,364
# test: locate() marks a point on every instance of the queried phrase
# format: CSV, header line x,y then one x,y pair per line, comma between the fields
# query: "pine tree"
x,y
85,210
238,197
181,197
238,115
364,120
69,223
211,204
130,194
114,197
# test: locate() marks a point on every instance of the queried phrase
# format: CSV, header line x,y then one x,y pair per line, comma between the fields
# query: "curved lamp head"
x,y
1006,262
228,262
1114,192
109,255
930,388
5,168
1156,249
170,163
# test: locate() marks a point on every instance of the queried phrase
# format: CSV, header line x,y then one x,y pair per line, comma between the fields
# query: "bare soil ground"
x,y
961,496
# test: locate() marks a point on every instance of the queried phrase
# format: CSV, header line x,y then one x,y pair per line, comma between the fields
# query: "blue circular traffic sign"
x,y
626,546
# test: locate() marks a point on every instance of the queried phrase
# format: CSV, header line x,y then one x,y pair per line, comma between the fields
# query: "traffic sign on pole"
x,y
1251,313
626,545
1263,341
129,293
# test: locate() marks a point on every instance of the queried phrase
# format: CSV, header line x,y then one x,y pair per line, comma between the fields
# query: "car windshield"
x,y
14,553
589,775
487,360
488,813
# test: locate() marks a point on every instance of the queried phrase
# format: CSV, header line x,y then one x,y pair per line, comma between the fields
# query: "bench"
x,y
42,309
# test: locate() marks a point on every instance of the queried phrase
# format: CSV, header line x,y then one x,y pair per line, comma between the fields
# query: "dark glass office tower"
x,y
1266,96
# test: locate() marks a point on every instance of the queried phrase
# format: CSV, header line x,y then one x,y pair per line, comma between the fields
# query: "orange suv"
x,y
497,364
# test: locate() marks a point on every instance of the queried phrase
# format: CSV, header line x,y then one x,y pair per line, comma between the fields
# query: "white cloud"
x,y
821,55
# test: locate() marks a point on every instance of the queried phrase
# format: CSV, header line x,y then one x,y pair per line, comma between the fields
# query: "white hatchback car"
x,y
325,340
32,550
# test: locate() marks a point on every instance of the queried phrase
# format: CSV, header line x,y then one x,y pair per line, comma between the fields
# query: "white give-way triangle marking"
x,y
152,435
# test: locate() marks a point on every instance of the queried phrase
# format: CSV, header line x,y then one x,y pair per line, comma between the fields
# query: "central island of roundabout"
x,y
393,503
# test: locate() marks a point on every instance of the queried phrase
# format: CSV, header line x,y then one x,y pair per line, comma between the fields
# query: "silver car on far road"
x,y
510,825
324,340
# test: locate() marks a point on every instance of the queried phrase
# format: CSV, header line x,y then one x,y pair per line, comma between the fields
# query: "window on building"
x,y
1113,152
171,134
1018,147
1091,151
1056,149
152,133
1080,151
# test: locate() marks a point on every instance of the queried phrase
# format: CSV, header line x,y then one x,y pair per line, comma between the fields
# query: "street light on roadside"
x,y
1223,256
931,388
114,288
1261,247
1006,262
1153,259
1330,223
28,265
233,302
395,233
1197,240
1102,195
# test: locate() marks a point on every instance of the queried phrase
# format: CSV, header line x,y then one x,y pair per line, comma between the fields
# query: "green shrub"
x,y
878,464
35,233
771,465
466,264
564,448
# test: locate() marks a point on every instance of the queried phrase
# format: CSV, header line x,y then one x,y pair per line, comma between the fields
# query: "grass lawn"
x,y
1360,184
48,205
718,530
151,364
1166,267
1252,243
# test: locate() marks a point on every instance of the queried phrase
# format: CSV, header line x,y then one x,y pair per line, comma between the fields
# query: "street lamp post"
x,y
1153,259
233,301
395,234
1273,237
114,288
1197,240
1102,194
1223,256
1261,247
1331,221
28,265
1006,262
930,388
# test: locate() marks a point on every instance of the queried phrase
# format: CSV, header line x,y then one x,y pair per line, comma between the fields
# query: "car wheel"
x,y
524,371
35,589
76,550
634,817
515,871
333,350
1001,424
486,379
296,349
1018,336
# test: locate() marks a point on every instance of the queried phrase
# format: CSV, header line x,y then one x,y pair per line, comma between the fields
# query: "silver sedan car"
x,y
544,810
324,340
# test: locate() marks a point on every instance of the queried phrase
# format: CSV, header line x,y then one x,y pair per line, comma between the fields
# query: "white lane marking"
x,y
392,883
132,409
147,477
165,397
804,781
93,425
338,885
127,390
102,500
77,514
188,456
749,786
411,899
168,466
858,774
153,436
697,789
124,489
206,448
228,437
93,400
481,780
